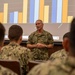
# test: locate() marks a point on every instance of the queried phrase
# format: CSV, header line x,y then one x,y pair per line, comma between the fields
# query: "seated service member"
x,y
3,70
13,51
61,54
56,67
40,41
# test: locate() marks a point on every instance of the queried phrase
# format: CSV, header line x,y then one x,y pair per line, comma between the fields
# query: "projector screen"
x,y
56,15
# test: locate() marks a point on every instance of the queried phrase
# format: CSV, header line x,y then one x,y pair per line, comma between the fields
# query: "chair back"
x,y
32,63
12,65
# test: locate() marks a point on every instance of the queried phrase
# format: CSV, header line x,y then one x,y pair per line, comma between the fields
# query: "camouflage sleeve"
x,y
4,53
25,57
5,71
29,39
28,57
50,39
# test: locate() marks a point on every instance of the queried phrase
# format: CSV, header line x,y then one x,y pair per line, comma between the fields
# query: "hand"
x,y
40,45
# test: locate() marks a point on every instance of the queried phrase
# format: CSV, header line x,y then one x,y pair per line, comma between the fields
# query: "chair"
x,y
12,65
32,63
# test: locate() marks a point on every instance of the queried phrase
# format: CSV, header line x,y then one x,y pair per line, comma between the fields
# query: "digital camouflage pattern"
x,y
55,68
14,51
60,54
5,71
44,38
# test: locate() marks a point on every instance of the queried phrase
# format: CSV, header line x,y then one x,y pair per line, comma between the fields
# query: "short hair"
x,y
2,33
40,21
72,36
15,31
66,35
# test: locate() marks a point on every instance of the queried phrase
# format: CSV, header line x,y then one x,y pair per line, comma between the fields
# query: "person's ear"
x,y
66,44
8,37
20,39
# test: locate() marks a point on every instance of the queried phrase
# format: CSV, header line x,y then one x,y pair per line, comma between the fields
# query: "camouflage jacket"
x,y
13,51
55,68
61,54
5,71
44,38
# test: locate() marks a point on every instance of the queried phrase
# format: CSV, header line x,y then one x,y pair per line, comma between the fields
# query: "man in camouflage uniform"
x,y
39,42
57,67
4,71
13,51
60,54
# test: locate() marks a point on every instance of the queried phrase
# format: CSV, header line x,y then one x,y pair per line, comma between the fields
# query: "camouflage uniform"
x,y
5,71
13,51
61,54
55,68
44,38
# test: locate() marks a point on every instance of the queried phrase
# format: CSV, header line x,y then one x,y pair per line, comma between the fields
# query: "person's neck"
x,y
15,42
40,31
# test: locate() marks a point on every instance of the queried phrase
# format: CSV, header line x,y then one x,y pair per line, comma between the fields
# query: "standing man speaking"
x,y
39,42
